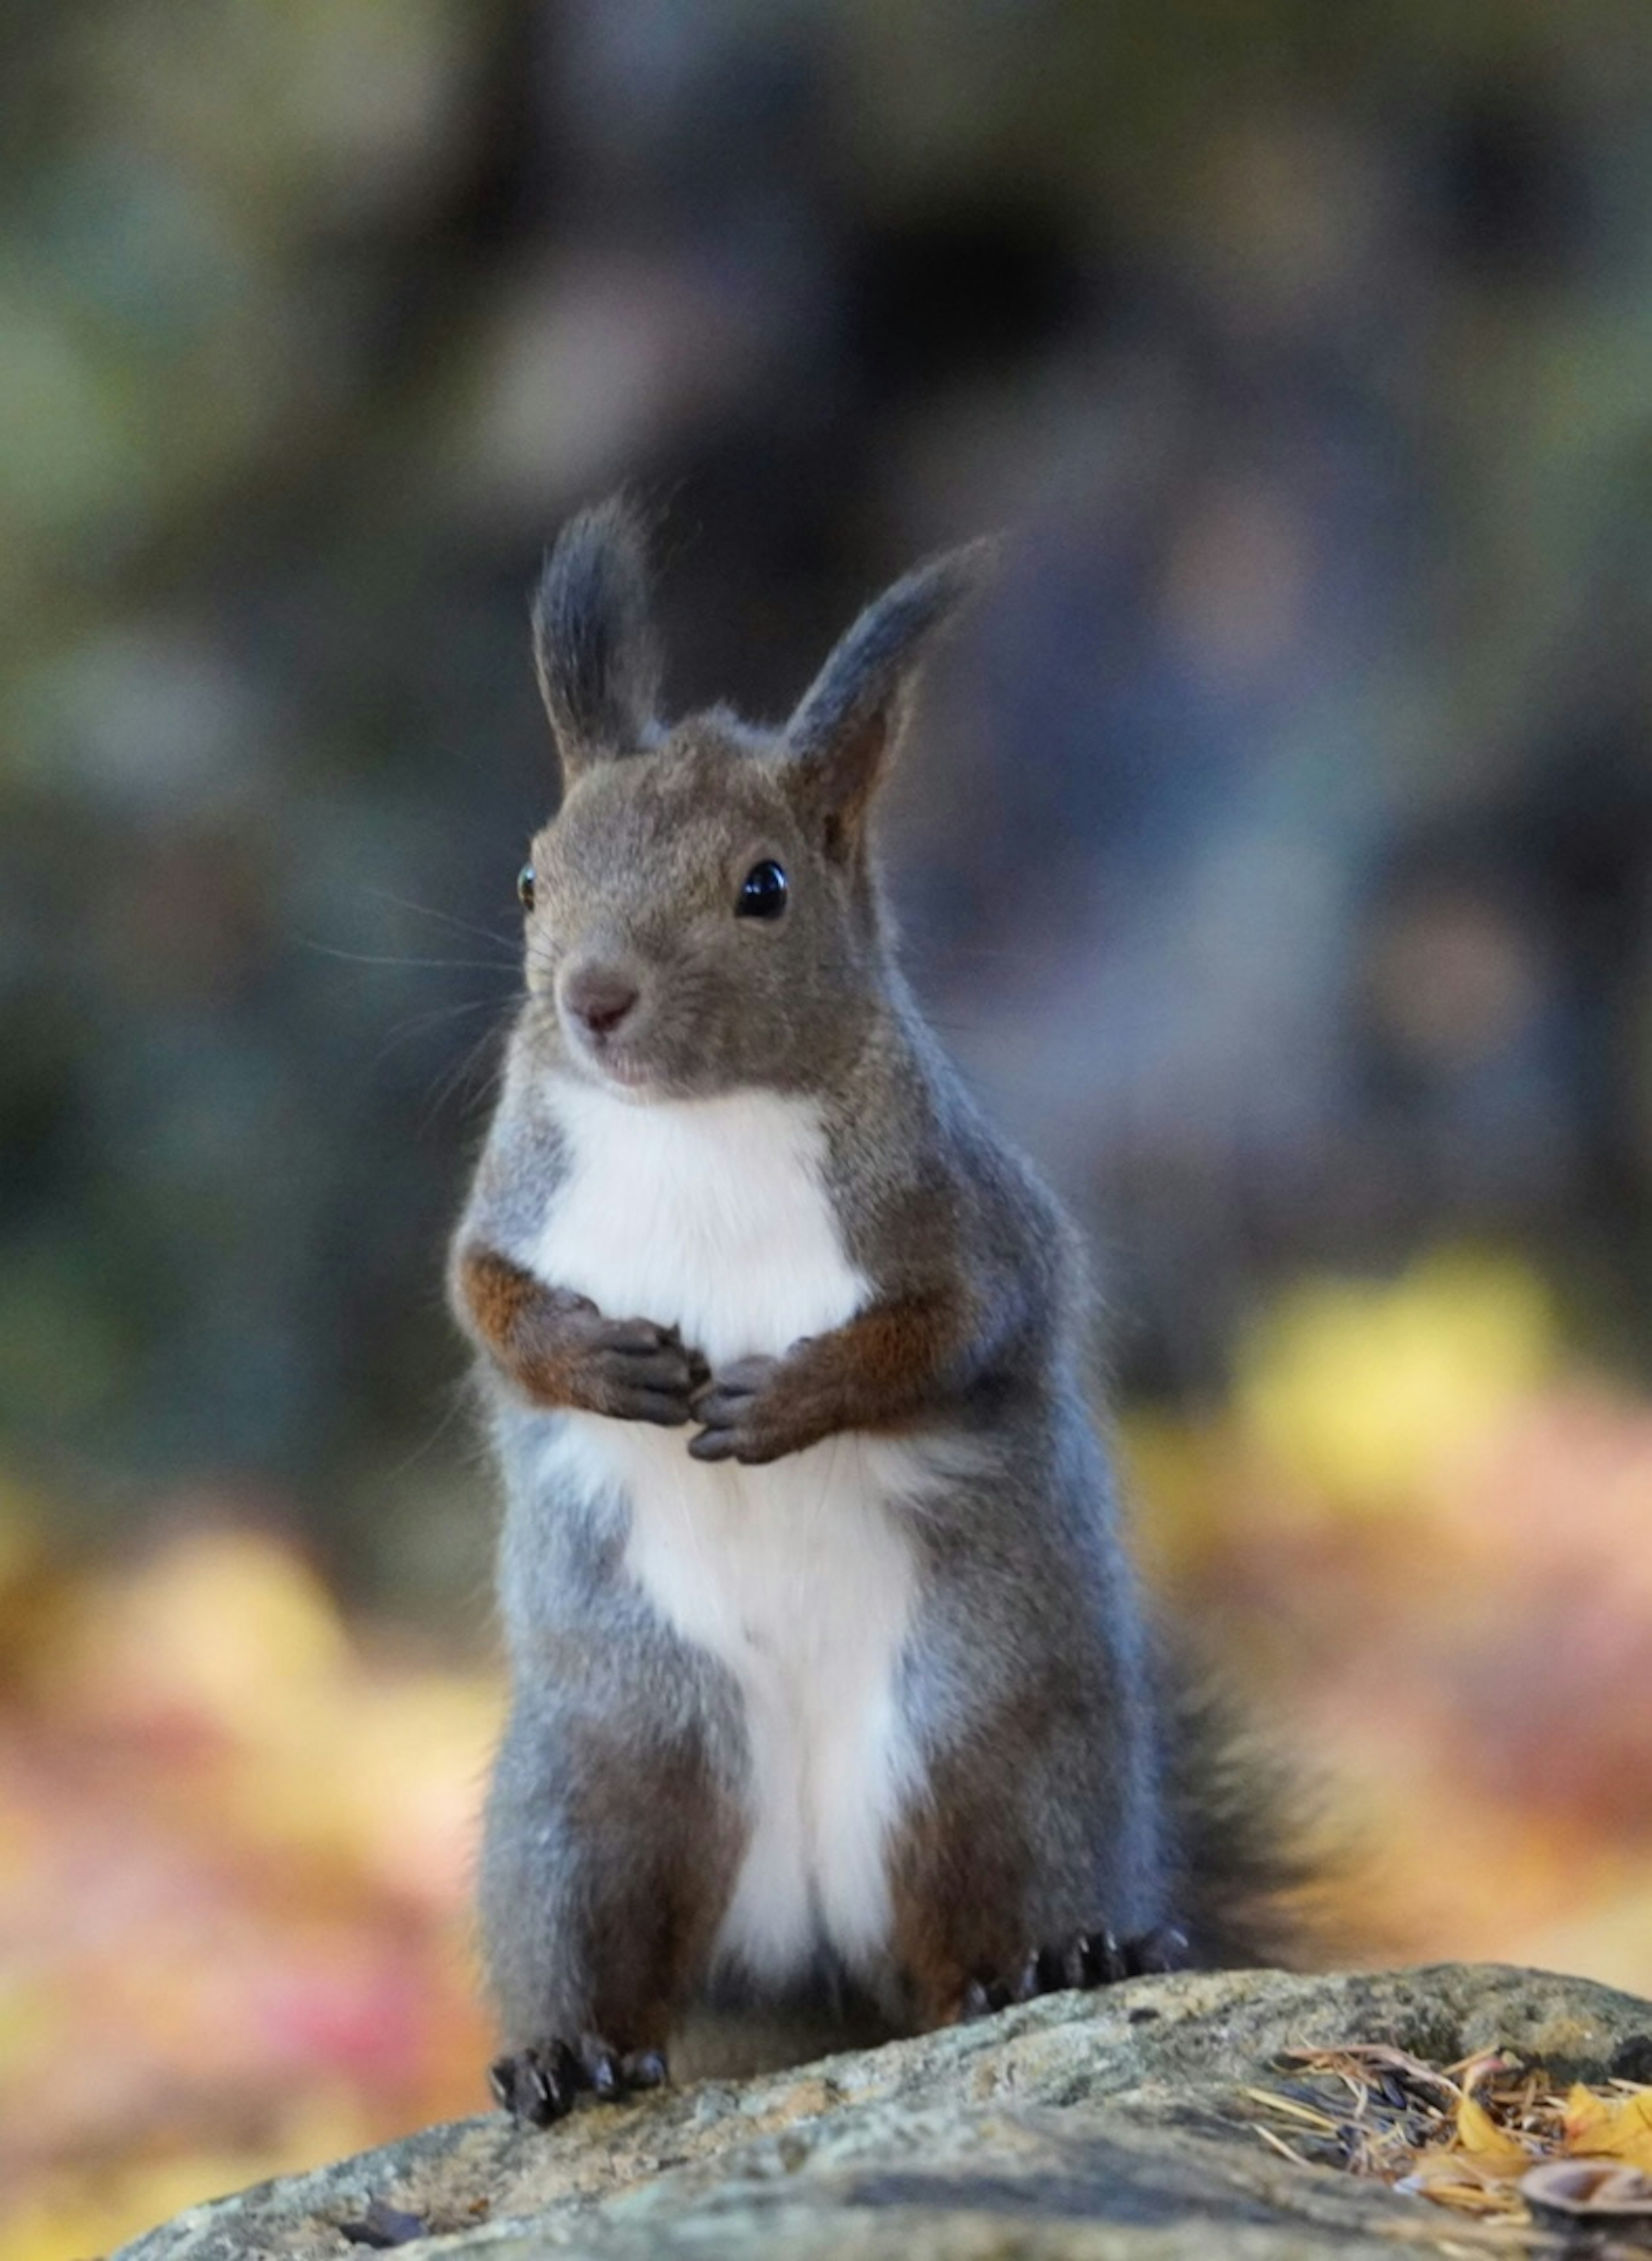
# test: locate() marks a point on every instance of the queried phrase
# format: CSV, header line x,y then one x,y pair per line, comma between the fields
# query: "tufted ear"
x,y
836,745
594,646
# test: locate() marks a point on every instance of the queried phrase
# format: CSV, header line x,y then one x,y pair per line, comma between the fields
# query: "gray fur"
x,y
594,646
838,739
1027,1683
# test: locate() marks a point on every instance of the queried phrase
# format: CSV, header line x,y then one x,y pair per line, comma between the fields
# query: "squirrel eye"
x,y
762,892
525,887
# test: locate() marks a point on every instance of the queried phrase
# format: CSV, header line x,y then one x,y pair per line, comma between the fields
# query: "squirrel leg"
x,y
991,1907
607,1865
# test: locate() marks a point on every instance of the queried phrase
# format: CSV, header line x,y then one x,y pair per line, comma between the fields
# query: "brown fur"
x,y
956,1880
885,1367
559,1350
671,1839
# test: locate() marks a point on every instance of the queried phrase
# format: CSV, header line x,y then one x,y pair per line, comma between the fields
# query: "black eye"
x,y
762,892
525,887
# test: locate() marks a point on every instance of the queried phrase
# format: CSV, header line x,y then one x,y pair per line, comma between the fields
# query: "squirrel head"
x,y
701,912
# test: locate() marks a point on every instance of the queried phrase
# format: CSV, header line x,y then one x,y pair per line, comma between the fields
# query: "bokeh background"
x,y
1275,852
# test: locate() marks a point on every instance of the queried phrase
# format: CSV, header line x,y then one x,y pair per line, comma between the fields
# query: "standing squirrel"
x,y
831,1685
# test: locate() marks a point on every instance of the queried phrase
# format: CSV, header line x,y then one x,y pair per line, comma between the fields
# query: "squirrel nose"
x,y
600,997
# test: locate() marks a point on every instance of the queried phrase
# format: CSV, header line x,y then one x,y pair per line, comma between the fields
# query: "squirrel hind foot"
x,y
1084,1959
539,2085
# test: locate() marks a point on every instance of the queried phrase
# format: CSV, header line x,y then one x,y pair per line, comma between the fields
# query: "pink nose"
x,y
599,997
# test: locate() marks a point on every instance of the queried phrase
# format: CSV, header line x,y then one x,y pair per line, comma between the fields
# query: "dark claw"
x,y
1162,1948
526,2087
601,2065
1104,1960
539,2085
502,2079
976,2003
1087,1958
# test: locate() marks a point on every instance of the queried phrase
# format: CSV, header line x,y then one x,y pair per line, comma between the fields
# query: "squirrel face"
x,y
702,913
689,936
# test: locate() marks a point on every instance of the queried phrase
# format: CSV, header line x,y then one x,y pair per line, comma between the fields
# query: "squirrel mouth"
x,y
621,1064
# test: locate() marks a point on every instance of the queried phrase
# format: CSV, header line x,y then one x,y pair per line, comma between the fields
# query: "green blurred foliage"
x,y
1305,348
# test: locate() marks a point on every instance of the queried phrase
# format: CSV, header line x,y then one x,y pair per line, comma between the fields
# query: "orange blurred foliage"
x,y
235,1830
236,1841
1427,1535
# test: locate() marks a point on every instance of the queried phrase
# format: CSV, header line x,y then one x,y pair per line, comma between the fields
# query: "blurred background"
x,y
1275,853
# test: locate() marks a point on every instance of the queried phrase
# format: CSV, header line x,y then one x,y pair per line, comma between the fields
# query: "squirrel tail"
x,y
1250,1866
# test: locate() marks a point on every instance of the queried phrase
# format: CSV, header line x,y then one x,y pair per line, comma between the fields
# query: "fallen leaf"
x,y
1494,2151
1598,2127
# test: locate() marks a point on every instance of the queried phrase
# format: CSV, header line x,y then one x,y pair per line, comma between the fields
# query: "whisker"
x,y
455,1397
447,1085
417,1024
446,918
503,963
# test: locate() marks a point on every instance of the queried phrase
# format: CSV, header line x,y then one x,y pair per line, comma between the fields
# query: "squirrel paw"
x,y
635,1370
738,1414
537,2085
1087,1958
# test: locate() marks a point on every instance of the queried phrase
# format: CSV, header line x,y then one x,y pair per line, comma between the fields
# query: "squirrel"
x,y
845,1696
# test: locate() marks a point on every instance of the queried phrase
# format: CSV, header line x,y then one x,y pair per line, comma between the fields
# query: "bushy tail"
x,y
1251,1861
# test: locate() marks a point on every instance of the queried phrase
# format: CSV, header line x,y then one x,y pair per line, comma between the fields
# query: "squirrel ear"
x,y
851,716
594,648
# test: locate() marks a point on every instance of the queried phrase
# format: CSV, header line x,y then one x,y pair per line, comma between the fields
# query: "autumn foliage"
x,y
235,1827
233,1846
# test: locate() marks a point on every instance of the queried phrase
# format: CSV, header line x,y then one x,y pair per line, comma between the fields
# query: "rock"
x,y
1105,2126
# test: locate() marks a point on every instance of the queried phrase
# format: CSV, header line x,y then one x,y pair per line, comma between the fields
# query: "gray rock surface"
x,y
1106,2127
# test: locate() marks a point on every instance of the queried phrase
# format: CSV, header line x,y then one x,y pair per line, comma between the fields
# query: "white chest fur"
x,y
799,1577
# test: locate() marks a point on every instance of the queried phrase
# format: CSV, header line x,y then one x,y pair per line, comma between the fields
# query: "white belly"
x,y
799,1577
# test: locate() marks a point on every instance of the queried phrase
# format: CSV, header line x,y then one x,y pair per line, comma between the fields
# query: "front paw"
x,y
539,2084
633,1370
746,1414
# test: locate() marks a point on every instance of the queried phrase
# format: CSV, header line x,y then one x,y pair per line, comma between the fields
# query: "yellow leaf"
x,y
1492,2150
1452,2178
1619,2128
